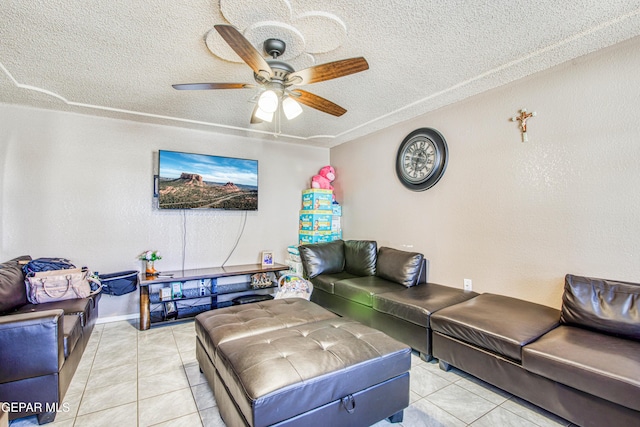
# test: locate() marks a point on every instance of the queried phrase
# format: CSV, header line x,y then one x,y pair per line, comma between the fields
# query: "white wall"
x,y
81,187
516,217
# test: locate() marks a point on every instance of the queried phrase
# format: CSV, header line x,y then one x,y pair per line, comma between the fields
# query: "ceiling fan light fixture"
x,y
268,101
265,116
291,108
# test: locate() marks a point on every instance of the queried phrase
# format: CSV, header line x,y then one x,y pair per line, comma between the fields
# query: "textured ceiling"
x,y
119,58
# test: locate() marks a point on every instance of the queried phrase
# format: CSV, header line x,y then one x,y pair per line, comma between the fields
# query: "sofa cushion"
x,y
362,289
417,303
72,327
322,258
79,306
12,290
496,323
607,306
399,266
596,363
325,282
360,257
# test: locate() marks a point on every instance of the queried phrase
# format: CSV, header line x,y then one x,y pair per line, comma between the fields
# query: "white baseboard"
x,y
134,316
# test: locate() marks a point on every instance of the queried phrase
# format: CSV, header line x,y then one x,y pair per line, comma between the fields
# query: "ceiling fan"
x,y
276,78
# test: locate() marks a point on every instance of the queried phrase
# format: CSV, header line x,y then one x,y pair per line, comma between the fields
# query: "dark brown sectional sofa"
x,y
385,289
40,345
581,362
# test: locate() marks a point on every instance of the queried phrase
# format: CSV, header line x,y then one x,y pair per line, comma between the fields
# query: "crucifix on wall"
x,y
522,118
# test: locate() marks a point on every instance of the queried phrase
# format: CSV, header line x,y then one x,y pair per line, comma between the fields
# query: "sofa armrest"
x,y
31,344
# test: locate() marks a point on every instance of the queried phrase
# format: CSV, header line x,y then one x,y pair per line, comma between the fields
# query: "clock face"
x,y
421,159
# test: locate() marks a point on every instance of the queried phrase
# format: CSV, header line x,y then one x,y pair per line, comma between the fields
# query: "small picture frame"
x,y
267,258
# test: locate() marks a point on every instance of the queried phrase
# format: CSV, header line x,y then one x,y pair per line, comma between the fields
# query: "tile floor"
x,y
151,378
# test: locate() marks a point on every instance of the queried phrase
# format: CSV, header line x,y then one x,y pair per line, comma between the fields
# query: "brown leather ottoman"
x,y
328,372
217,326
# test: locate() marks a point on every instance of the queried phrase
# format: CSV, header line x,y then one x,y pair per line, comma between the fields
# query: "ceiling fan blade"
x,y
328,71
317,102
244,49
204,86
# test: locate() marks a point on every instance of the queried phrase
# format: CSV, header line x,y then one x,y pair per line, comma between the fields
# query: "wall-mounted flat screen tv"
x,y
200,181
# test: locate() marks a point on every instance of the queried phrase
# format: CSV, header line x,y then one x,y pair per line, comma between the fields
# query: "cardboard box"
x,y
336,224
294,253
165,294
336,235
294,268
295,258
317,199
305,237
315,220
337,209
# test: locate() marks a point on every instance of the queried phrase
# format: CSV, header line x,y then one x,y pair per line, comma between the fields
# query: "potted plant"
x,y
150,257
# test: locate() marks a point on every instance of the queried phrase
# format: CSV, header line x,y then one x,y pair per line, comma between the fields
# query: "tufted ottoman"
x,y
218,326
282,370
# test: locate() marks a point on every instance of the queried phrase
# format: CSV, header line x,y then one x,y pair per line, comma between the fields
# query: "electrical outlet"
x,y
468,285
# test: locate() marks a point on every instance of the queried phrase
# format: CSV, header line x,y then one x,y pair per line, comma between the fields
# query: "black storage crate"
x,y
119,283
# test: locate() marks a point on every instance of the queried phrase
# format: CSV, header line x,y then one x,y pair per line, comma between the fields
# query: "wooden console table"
x,y
212,274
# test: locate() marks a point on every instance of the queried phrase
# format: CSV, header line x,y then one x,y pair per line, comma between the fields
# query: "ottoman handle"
x,y
349,403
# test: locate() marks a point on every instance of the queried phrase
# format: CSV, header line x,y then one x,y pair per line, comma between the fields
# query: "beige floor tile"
x,y
194,375
158,365
166,347
483,389
503,418
413,397
191,420
162,383
203,396
69,407
187,326
165,407
185,342
110,376
425,414
423,382
114,358
154,335
79,380
121,416
188,357
533,413
211,418
108,397
415,359
450,397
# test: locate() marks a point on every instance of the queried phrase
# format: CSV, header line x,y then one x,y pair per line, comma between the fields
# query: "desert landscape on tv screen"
x,y
198,181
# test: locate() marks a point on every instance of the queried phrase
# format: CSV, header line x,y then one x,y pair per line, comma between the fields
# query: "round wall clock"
x,y
422,159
